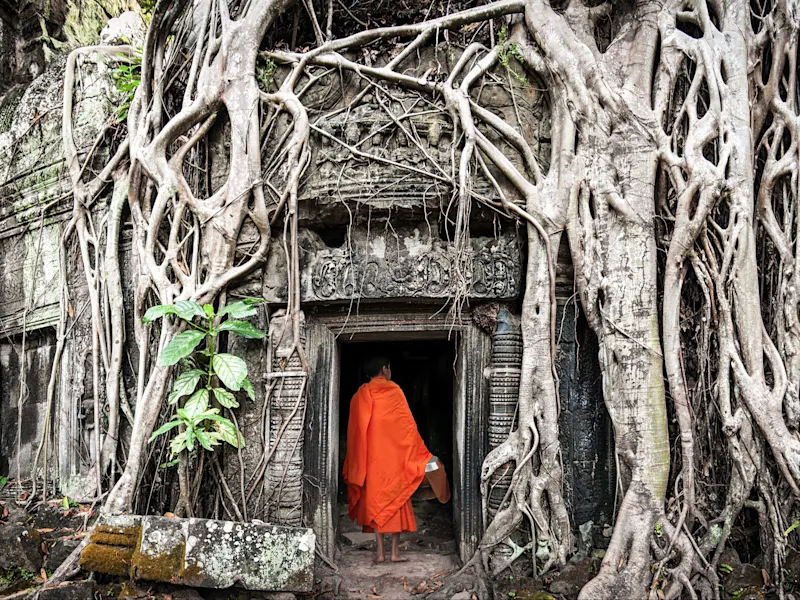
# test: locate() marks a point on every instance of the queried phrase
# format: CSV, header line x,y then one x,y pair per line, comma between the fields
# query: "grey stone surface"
x,y
403,264
128,28
20,548
358,539
59,552
256,557
188,594
218,554
76,590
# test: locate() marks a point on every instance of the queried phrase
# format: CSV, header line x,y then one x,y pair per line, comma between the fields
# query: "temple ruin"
x,y
378,274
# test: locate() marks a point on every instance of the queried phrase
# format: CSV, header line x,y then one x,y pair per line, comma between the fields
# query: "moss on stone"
x,y
114,539
85,20
167,566
113,560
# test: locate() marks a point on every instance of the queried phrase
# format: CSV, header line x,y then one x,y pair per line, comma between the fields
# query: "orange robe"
x,y
385,460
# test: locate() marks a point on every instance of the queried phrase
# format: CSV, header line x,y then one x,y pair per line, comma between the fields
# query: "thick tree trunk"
x,y
631,362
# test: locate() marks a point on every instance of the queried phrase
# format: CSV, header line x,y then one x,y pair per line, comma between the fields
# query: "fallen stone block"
x,y
111,545
203,553
20,548
77,590
59,552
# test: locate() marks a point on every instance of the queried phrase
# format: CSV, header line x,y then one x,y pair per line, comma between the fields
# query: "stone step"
x,y
203,552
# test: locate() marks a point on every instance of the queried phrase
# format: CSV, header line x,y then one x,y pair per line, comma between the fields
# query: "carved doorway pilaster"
x,y
326,329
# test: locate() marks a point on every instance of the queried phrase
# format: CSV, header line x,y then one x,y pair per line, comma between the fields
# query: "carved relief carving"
x,y
417,269
341,174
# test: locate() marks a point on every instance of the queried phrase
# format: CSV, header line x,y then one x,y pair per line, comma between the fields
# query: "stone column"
x,y
287,409
503,397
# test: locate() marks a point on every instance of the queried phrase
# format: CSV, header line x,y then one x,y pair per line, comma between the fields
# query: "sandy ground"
x,y
362,579
430,550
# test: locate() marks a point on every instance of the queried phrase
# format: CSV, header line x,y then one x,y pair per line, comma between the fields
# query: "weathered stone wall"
x,y
35,204
32,32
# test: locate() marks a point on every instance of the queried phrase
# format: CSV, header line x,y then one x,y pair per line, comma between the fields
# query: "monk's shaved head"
x,y
374,364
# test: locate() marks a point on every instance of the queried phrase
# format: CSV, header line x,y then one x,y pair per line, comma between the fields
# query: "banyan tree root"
x,y
674,128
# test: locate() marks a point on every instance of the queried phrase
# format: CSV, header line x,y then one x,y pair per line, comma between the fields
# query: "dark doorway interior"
x,y
424,371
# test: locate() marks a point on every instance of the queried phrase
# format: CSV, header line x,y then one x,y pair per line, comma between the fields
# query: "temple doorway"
x,y
425,371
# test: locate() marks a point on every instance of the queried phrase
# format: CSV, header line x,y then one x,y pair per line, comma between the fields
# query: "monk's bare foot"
x,y
399,559
379,559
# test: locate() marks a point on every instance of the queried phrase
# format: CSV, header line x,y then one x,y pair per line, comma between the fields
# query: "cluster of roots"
x,y
671,175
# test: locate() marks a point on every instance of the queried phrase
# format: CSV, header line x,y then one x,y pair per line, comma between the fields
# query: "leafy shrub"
x,y
224,374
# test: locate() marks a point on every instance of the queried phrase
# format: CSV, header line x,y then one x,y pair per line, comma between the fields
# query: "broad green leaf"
x,y
184,416
242,328
197,403
158,311
225,398
163,429
791,528
228,433
209,413
238,310
230,369
248,387
190,438
179,442
206,441
186,309
181,345
209,310
185,384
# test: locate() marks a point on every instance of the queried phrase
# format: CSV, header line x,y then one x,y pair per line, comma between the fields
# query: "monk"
x,y
385,460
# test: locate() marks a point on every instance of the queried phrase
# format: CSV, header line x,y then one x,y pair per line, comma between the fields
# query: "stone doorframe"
x,y
325,330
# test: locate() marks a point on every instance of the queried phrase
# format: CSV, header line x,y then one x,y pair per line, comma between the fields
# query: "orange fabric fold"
x,y
385,459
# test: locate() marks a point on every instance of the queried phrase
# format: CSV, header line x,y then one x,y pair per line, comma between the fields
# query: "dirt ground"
x,y
431,553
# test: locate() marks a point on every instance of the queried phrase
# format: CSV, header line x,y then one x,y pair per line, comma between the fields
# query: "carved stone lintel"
x,y
403,265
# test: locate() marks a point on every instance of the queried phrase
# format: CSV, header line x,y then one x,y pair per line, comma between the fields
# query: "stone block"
x,y
220,554
59,552
204,553
112,545
408,263
20,548
76,590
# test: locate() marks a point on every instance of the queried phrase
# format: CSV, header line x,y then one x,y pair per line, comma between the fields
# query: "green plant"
x,y
26,575
725,568
67,504
791,528
506,53
127,77
658,529
265,75
3,481
200,422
